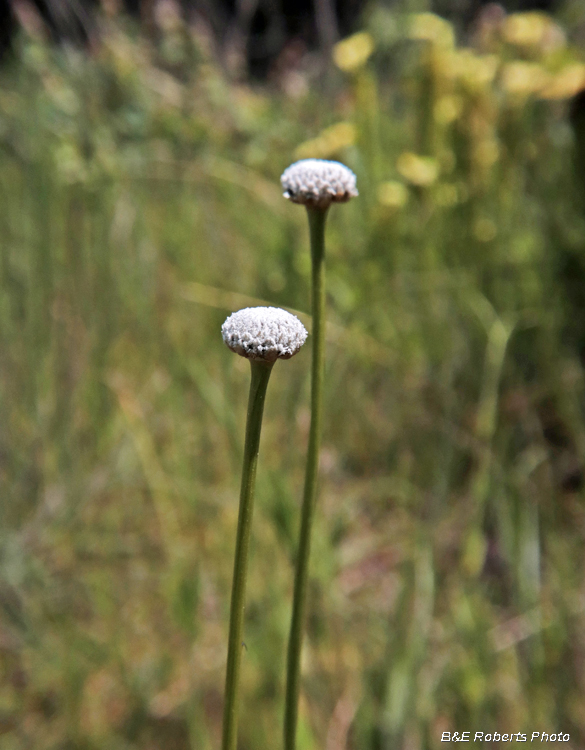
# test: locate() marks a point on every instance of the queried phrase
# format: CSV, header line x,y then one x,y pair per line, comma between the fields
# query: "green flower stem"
x,y
317,219
260,375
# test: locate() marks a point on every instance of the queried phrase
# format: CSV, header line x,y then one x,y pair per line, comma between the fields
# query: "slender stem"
x,y
317,220
260,376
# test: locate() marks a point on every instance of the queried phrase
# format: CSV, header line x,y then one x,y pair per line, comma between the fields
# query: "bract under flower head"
x,y
317,183
264,333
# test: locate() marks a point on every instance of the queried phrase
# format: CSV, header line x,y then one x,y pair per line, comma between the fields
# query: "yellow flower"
x,y
328,142
447,109
431,28
566,83
352,53
487,152
418,170
523,78
473,70
478,70
392,194
532,30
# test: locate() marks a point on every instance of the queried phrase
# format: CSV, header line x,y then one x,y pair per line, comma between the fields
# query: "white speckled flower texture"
x,y
316,183
264,333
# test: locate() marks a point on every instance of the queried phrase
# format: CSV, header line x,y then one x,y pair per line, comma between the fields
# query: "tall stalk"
x,y
317,219
260,376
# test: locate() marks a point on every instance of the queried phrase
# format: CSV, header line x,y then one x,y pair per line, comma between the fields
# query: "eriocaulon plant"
x,y
316,184
262,335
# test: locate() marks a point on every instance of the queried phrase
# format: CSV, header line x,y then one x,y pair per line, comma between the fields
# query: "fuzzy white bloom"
x,y
267,333
318,183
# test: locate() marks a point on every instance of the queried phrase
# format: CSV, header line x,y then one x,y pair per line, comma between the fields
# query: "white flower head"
x,y
317,183
264,333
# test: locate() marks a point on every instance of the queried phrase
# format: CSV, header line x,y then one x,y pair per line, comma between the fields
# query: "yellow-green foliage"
x,y
139,205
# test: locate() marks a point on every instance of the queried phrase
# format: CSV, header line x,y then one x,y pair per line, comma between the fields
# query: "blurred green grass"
x,y
139,205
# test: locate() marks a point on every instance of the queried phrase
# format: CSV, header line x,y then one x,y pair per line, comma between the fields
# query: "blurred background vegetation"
x,y
139,206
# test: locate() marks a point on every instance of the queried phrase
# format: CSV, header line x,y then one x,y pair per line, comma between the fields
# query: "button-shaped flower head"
x,y
318,183
264,333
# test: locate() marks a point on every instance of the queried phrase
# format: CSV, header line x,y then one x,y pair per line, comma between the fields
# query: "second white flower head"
x,y
317,183
266,333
